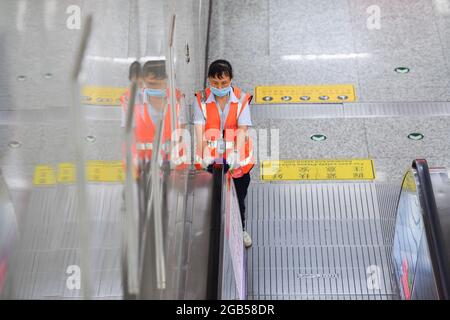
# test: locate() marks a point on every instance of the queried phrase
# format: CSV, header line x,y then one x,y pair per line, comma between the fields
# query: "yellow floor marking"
x,y
66,173
96,171
102,96
335,169
44,175
305,94
105,171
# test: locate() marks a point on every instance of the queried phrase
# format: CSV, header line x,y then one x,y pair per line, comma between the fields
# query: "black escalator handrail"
x,y
433,229
215,234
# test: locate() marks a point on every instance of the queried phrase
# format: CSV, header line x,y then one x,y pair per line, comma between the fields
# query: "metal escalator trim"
x,y
319,243
77,127
389,195
208,28
433,229
215,247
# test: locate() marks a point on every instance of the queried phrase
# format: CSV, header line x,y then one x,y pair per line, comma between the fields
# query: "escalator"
x,y
346,241
343,241
203,248
351,240
45,258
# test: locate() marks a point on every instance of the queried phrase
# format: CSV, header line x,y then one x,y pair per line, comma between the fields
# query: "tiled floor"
x,y
306,42
411,34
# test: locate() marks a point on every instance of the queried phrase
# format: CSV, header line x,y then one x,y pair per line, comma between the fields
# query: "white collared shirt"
x,y
244,118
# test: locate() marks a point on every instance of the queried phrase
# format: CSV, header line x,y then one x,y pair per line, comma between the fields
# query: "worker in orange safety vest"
x,y
221,118
152,98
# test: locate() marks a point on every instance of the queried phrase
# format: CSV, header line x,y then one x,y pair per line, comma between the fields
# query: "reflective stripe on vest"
x,y
144,146
242,104
214,143
202,103
247,160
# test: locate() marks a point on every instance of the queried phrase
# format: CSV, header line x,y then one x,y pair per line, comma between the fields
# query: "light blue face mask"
x,y
221,92
155,92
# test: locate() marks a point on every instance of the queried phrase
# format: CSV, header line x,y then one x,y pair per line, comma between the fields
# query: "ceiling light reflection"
x,y
124,60
324,56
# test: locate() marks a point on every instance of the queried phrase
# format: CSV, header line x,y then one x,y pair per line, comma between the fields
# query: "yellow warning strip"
x,y
339,169
105,171
305,94
66,173
44,175
96,171
102,96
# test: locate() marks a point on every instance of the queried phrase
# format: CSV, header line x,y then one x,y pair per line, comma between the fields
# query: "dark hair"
x,y
220,68
155,67
135,70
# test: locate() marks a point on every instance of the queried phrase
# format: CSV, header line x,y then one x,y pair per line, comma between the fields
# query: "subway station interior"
x,y
349,193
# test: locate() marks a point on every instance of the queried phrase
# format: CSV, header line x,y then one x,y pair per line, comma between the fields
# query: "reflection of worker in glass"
x,y
151,101
221,118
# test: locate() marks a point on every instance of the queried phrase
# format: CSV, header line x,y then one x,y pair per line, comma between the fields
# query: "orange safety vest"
x,y
144,132
213,135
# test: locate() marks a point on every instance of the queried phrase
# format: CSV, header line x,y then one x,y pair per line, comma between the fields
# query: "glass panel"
x,y
81,235
412,262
